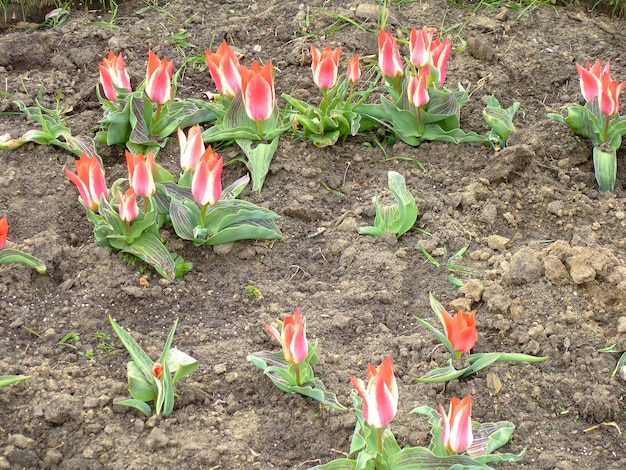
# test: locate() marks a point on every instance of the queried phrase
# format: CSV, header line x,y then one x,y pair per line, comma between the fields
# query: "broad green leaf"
x,y
605,168
420,458
149,248
337,464
141,359
259,157
407,208
11,379
11,255
509,357
181,364
442,374
139,386
137,404
258,229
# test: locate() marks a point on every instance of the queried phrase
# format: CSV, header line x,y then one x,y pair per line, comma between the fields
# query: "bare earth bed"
x,y
547,251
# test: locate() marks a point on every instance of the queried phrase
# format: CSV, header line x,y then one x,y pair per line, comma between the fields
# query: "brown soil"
x,y
546,248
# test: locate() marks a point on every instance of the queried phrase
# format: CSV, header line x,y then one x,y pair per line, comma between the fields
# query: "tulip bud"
x,y
89,179
461,330
389,58
129,210
206,185
380,398
4,231
456,432
157,370
324,65
257,88
191,147
140,173
353,73
113,74
224,69
292,338
159,78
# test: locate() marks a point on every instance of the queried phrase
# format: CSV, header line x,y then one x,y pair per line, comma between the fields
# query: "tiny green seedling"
x,y
153,381
11,379
253,294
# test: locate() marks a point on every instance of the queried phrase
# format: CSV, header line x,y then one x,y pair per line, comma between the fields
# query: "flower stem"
x,y
606,128
420,126
158,113
297,369
379,440
203,212
146,203
259,128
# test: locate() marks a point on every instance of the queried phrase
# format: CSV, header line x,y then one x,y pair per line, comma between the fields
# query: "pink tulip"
x,y
292,338
113,74
206,185
456,432
257,88
4,231
389,58
420,46
418,88
89,179
224,68
129,210
440,53
159,78
380,398
353,73
324,65
140,170
591,79
191,147
609,95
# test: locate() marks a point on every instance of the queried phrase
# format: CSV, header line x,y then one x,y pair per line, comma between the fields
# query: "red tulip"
x,y
206,185
257,88
191,147
389,58
380,398
4,231
292,338
224,68
420,46
418,88
159,78
324,65
461,330
157,370
456,432
439,54
129,210
89,179
140,173
113,73
353,74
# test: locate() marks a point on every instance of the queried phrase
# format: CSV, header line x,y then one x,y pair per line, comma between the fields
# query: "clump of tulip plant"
x,y
11,255
457,441
335,116
421,107
153,381
459,336
290,369
598,120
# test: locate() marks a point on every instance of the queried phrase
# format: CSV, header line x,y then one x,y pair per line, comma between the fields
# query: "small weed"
x,y
70,338
253,294
451,263
105,343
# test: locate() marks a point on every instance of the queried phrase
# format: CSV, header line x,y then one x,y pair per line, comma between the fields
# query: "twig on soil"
x,y
298,268
612,423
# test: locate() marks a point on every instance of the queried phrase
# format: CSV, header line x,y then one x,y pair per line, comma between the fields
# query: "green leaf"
x,y
337,464
500,120
605,168
259,159
10,255
407,208
442,374
137,404
280,373
140,387
420,458
150,249
181,364
140,358
11,379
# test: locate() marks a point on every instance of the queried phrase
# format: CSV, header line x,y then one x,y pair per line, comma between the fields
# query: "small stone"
x,y
493,383
223,248
157,439
580,270
621,325
219,369
21,441
231,377
498,243
524,267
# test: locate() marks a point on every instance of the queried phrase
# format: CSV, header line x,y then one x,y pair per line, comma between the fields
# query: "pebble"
x,y
524,267
219,369
498,242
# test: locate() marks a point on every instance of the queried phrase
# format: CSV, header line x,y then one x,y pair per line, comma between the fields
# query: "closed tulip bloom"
x,y
389,59
206,185
224,69
129,210
4,231
89,179
113,72
159,78
191,147
324,65
609,95
456,432
420,46
140,173
292,338
439,54
380,398
353,73
257,88
461,329
157,370
417,89
591,78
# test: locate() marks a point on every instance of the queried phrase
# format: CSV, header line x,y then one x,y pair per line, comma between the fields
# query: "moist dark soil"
x,y
544,261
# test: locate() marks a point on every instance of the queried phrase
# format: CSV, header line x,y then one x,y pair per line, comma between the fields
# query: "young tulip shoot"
x,y
224,69
4,231
461,330
293,339
457,425
113,74
89,179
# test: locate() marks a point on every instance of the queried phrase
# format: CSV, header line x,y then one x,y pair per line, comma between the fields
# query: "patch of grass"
x,y
522,6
